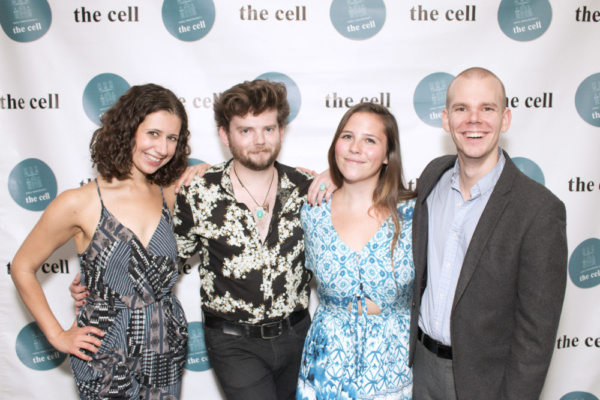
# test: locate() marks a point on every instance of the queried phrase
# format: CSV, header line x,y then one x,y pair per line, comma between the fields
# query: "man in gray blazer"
x,y
490,255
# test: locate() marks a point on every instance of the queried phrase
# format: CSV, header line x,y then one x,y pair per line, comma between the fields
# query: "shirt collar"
x,y
485,184
284,184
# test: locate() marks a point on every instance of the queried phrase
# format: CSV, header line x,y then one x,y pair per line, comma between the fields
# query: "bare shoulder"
x,y
71,199
79,207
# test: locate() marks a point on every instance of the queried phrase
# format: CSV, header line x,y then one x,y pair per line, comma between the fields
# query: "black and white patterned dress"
x,y
144,347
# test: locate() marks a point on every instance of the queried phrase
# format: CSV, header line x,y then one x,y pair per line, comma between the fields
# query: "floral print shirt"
x,y
243,279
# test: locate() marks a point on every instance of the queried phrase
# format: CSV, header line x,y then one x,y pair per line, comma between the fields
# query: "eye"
x,y
152,133
245,130
345,136
488,108
370,140
459,109
270,129
174,138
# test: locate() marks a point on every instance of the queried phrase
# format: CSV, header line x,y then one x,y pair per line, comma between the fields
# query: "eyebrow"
x,y
161,131
489,103
359,133
254,127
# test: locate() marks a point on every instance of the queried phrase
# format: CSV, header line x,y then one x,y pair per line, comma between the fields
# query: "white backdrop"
x,y
64,62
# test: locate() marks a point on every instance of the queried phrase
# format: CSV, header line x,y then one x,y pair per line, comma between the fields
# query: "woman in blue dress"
x,y
358,246
129,339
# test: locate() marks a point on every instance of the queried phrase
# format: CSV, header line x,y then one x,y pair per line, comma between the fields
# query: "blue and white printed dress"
x,y
348,355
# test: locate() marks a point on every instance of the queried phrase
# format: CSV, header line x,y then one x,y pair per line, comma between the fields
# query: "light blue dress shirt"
x,y
452,222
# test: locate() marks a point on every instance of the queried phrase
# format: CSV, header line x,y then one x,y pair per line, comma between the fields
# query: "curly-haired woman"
x,y
130,337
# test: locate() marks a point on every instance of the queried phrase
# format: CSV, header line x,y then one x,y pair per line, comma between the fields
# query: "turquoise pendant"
x,y
260,213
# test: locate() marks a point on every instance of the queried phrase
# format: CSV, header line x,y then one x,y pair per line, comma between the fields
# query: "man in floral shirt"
x,y
243,218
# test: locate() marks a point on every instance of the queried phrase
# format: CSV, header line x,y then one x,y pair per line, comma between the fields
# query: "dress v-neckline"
x,y
133,234
346,244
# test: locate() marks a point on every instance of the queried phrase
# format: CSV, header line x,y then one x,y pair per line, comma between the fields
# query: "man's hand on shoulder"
x,y
321,189
190,173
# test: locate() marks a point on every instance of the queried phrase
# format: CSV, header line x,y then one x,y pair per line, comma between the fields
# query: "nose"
x,y
354,146
259,138
161,146
474,116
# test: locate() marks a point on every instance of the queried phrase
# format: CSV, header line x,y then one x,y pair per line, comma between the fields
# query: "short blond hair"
x,y
477,73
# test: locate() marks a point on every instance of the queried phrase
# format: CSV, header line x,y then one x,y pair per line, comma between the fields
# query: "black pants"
x,y
256,368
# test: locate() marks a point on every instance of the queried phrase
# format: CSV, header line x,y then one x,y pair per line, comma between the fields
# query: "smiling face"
x,y
254,140
361,148
475,116
155,141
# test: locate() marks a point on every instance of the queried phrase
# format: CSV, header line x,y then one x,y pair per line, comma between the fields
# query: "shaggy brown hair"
x,y
253,97
390,189
113,143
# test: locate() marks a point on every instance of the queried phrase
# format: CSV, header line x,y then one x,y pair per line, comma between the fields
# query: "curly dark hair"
x,y
254,97
113,143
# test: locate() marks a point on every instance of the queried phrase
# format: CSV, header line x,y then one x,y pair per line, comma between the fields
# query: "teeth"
x,y
474,135
152,158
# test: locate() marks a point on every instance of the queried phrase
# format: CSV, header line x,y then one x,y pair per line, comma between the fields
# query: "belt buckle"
x,y
262,330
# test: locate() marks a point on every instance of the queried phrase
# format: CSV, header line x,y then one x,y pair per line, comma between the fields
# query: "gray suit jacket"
x,y
511,287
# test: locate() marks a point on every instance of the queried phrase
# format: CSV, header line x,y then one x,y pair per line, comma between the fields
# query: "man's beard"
x,y
248,162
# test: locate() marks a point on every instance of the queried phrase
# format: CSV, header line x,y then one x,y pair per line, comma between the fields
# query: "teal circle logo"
x,y
188,20
579,396
584,264
194,161
524,20
587,100
357,19
25,20
293,92
32,184
197,356
34,350
530,169
101,93
430,98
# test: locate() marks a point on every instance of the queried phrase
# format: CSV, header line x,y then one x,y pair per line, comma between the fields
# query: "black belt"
x,y
270,330
440,350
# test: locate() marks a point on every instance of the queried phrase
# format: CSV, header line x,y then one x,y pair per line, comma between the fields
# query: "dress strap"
x,y
166,211
163,197
99,194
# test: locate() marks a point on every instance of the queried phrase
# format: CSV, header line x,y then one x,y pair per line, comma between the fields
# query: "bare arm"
x,y
58,224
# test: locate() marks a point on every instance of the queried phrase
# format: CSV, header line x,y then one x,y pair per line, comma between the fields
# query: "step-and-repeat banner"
x,y
66,62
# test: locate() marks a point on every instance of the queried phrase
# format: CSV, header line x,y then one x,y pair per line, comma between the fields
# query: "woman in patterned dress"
x,y
129,339
359,247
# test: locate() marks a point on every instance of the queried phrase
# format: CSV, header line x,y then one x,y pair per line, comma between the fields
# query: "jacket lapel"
x,y
486,226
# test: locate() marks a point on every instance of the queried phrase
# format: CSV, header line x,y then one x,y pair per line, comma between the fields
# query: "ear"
x,y
224,136
281,130
506,119
446,120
